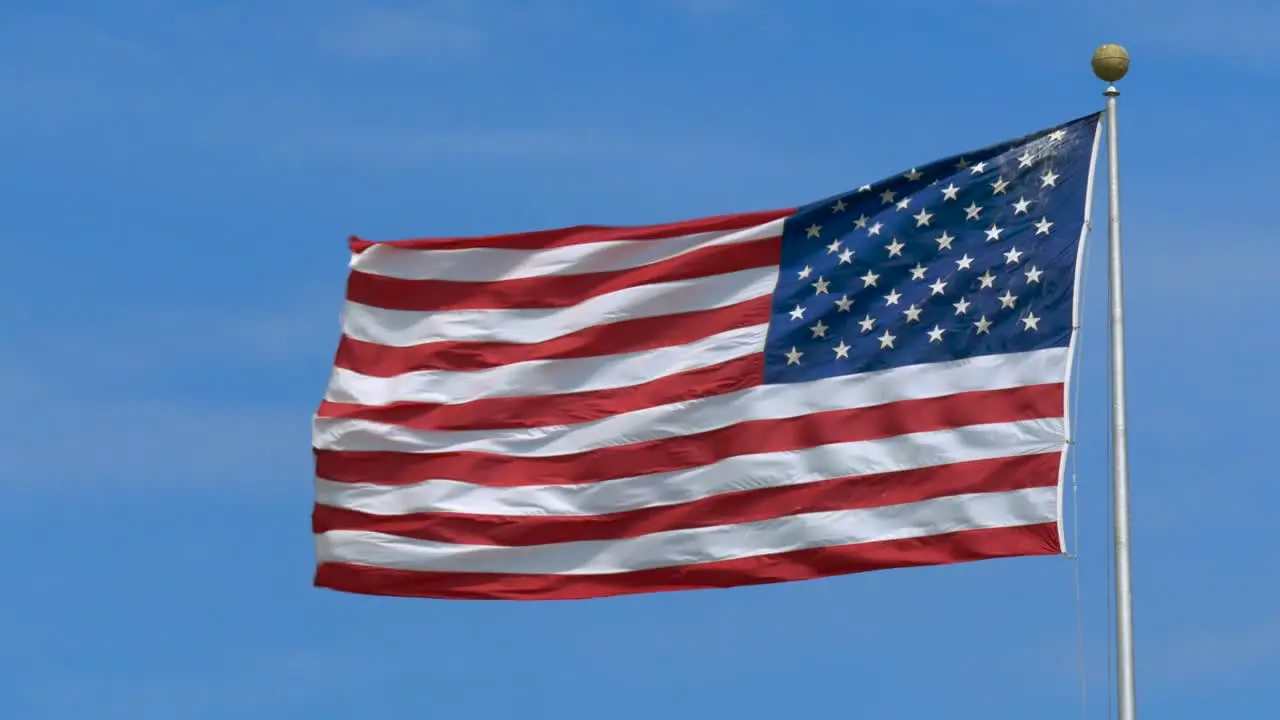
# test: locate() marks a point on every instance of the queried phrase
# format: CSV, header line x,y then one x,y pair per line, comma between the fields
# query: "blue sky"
x,y
177,181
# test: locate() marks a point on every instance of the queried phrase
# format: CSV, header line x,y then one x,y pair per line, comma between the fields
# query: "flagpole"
x,y
1110,64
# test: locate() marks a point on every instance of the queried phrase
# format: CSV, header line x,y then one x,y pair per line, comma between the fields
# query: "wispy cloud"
x,y
127,338
735,16
431,30
1212,653
436,30
255,680
715,8
108,401
1237,31
413,146
398,145
1241,31
136,81
1169,270
69,433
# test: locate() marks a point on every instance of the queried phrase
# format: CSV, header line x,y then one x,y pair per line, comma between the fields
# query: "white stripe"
x,y
490,264
742,472
698,545
545,377
766,402
403,328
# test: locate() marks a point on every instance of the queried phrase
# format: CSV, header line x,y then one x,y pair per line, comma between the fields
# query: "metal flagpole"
x,y
1110,64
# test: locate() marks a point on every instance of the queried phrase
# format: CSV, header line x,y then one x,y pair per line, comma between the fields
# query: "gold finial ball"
x,y
1110,62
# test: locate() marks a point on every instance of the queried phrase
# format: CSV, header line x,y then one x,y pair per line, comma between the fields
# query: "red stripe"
x,y
969,545
532,411
610,339
687,451
556,291
583,234
849,493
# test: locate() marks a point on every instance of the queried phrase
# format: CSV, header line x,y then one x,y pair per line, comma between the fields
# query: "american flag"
x,y
874,380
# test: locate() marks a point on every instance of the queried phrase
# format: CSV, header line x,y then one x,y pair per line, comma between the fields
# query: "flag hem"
x,y
1073,344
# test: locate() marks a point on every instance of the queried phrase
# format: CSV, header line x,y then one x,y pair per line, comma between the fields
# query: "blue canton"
x,y
970,255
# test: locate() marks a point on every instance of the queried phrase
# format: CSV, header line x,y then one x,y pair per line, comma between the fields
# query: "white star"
x,y
949,192
846,256
961,307
999,186
1042,227
1031,322
944,241
961,164
861,222
798,313
842,350
805,272
913,176
839,206
913,313
1049,179
895,248
935,335
1057,135
1013,257
1008,299
867,323
978,169
820,329
1026,159
793,357
813,231
922,218
843,304
938,287
987,280
964,263
904,202
983,325
820,287
834,247
1020,207
972,212
886,340
892,298
864,188
917,272
1033,275
869,280
993,232
875,229
887,196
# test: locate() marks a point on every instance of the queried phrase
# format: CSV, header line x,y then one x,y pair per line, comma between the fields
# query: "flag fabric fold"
x,y
871,381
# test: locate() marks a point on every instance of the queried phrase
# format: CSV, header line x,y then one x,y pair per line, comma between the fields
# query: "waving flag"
x,y
874,380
